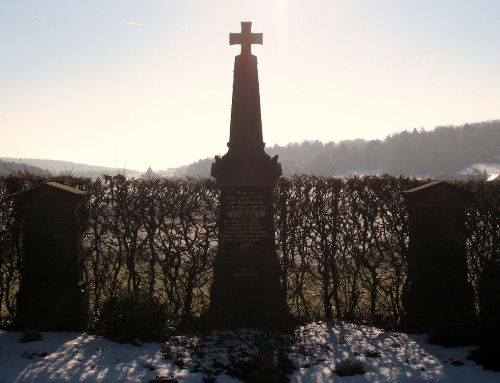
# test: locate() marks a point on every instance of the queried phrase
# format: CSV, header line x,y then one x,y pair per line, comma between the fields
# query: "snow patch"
x,y
315,350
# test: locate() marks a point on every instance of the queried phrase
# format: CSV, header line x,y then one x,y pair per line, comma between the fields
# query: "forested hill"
x,y
442,152
11,167
35,166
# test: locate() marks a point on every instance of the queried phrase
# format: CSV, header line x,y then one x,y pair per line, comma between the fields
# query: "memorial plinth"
x,y
438,299
51,294
246,289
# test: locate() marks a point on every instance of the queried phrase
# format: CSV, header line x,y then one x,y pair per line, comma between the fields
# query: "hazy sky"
x,y
149,82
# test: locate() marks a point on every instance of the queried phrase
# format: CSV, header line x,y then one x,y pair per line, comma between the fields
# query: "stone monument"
x,y
438,298
246,289
51,295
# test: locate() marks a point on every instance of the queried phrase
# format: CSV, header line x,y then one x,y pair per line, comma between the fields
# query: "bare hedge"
x,y
342,243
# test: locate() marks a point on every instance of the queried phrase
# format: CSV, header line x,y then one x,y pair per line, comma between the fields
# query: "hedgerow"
x,y
342,243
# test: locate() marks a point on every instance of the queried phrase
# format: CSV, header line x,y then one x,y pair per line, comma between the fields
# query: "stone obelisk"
x,y
246,289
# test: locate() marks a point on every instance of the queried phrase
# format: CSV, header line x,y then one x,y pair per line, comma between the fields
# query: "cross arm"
x,y
234,38
255,38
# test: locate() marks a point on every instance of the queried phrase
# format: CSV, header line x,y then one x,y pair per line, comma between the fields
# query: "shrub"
x,y
347,367
486,355
209,379
133,317
30,336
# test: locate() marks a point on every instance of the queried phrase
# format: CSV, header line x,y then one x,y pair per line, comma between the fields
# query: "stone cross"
x,y
246,38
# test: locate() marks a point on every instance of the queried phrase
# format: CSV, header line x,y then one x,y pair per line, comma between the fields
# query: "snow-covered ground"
x,y
315,350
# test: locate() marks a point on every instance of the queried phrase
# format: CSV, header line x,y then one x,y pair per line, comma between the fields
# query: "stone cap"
x,y
49,191
258,170
436,193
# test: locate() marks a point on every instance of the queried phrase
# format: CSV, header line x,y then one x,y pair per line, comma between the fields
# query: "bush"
x,y
132,318
209,379
30,336
487,356
347,367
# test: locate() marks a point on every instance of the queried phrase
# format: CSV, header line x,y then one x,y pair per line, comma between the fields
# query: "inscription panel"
x,y
48,219
246,272
246,214
436,221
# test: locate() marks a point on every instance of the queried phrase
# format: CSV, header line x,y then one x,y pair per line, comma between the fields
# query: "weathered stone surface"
x,y
51,294
246,290
488,353
489,303
438,298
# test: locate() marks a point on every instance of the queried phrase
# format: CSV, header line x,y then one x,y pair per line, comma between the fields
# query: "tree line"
x,y
442,152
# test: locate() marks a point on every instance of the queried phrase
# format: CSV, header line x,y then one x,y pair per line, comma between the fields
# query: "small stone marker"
x,y
51,295
438,298
246,289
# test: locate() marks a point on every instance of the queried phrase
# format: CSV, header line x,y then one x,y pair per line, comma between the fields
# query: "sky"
x,y
138,83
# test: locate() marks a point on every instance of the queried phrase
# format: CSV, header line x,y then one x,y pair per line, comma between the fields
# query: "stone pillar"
x,y
489,306
488,353
438,298
51,295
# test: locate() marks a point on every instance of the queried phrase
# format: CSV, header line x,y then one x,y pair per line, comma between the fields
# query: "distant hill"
x,y
446,152
66,167
9,167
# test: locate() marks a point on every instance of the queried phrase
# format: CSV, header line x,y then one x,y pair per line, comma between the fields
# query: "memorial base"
x,y
447,316
246,292
52,308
